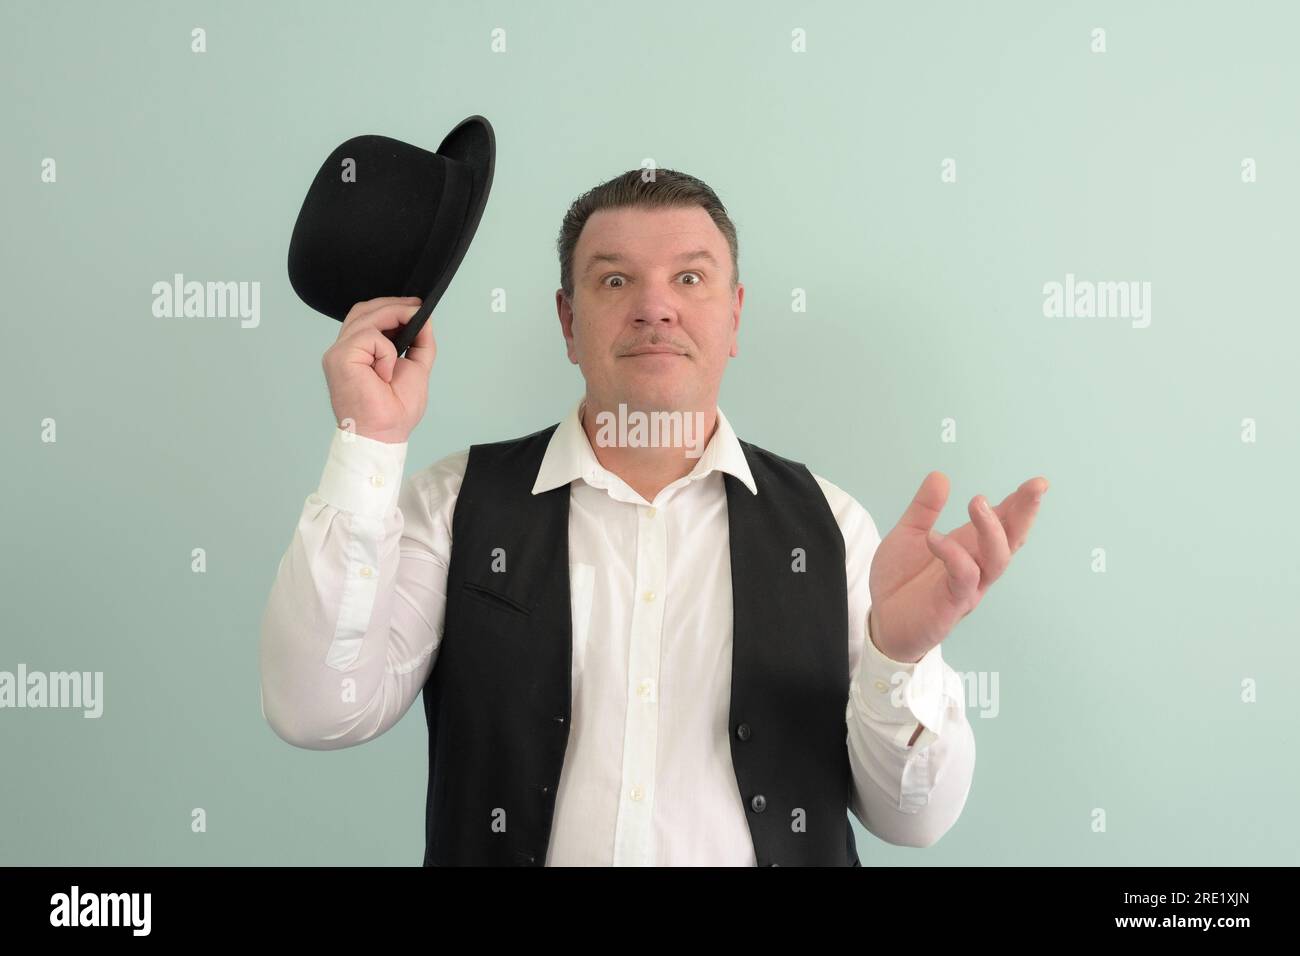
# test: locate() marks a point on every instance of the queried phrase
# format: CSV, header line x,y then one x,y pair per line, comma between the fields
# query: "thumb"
x,y
418,360
929,500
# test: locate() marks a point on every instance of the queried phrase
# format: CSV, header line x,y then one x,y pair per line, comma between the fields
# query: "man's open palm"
x,y
921,586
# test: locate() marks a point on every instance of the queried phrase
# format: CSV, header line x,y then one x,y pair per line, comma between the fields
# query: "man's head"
x,y
650,291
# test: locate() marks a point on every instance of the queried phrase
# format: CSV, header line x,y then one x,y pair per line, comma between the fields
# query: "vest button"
x,y
559,718
546,788
774,864
743,731
759,803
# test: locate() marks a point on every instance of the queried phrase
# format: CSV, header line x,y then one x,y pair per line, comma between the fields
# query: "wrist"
x,y
897,654
391,437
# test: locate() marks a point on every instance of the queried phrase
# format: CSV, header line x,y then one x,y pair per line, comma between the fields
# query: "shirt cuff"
x,y
905,694
362,476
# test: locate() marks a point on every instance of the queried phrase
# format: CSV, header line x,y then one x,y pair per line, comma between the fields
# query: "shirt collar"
x,y
569,455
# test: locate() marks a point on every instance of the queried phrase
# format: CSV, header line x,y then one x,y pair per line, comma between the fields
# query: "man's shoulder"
x,y
437,485
771,457
541,433
507,446
442,479
854,520
834,494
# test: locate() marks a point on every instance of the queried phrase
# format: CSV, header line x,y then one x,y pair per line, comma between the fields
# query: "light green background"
x,y
1119,691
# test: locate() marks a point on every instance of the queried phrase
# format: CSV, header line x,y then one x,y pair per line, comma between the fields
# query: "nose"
x,y
654,307
654,311
654,320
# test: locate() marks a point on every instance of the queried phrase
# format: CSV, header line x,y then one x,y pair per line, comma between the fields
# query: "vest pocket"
x,y
494,598
582,589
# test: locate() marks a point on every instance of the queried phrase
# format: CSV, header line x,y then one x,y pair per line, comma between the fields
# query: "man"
x,y
635,653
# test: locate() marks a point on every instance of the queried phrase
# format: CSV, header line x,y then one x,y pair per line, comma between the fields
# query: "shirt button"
x,y
651,512
881,686
366,572
636,793
645,688
377,480
649,596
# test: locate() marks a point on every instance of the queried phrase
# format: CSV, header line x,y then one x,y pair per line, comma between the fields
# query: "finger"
x,y
418,360
372,305
371,347
994,552
927,503
381,320
1018,509
379,313
356,343
962,571
385,317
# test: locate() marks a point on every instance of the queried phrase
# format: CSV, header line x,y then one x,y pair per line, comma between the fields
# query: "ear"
x,y
565,312
735,319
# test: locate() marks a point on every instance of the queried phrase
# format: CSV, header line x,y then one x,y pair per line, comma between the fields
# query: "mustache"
x,y
656,342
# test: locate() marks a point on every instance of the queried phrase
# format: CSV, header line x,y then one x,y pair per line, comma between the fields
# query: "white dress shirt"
x,y
355,616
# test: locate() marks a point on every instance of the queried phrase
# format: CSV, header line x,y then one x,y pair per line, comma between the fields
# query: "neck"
x,y
656,455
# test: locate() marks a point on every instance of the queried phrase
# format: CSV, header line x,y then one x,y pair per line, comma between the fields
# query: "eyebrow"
x,y
614,257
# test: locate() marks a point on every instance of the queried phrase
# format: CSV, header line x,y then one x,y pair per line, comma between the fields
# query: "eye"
x,y
700,278
612,276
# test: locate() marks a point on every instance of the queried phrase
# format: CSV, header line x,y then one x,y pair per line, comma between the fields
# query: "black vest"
x,y
498,698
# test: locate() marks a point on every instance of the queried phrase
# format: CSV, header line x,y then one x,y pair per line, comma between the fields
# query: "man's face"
x,y
653,319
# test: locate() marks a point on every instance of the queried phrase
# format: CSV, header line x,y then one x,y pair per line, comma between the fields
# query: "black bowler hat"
x,y
395,222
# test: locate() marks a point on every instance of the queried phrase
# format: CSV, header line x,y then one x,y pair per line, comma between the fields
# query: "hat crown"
x,y
366,221
386,218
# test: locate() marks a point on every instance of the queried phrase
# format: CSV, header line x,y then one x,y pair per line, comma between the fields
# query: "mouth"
x,y
652,350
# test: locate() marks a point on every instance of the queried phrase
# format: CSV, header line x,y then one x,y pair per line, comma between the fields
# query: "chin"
x,y
657,396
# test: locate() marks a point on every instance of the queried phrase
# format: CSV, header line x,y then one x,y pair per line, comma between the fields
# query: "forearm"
x,y
911,748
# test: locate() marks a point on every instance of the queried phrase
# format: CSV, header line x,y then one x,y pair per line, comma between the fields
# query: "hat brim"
x,y
472,142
